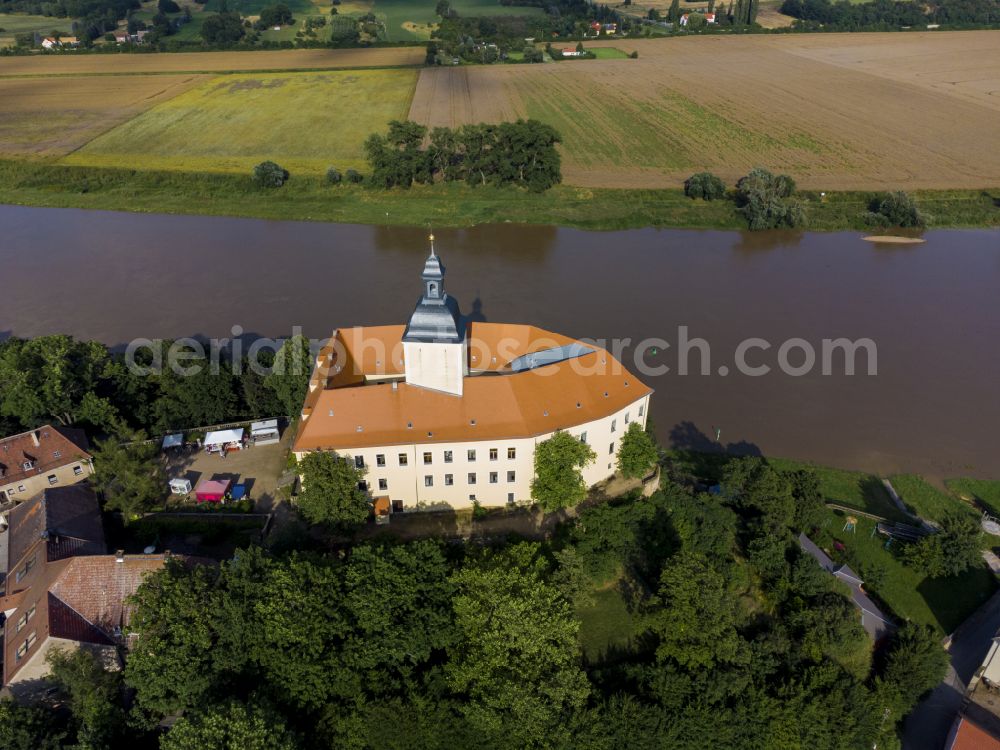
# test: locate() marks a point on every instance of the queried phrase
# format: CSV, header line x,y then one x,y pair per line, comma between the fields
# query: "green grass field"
x,y
926,500
984,491
608,53
306,197
306,122
606,624
395,13
20,23
940,602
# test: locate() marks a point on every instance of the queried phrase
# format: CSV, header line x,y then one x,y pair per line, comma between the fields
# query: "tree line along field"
x,y
306,121
858,111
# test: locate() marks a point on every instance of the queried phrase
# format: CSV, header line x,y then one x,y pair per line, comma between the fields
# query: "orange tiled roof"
x,y
500,405
970,736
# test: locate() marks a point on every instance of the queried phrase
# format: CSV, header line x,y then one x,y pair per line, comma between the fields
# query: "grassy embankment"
x,y
35,183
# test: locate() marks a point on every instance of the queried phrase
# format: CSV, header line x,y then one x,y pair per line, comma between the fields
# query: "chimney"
x,y
120,556
395,385
34,439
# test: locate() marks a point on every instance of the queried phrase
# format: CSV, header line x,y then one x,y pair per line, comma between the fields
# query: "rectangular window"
x,y
23,648
642,409
380,459
472,455
511,476
626,417
26,466
614,425
493,477
20,488
403,459
510,497
448,457
22,621
363,486
611,449
512,453
493,454
383,484
472,477
359,462
583,437
77,470
472,498
427,457
26,568
397,506
56,454
449,480
53,479
428,481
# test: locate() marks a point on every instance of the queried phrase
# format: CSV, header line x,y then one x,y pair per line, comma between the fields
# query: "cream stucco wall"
x,y
36,483
36,669
407,481
441,367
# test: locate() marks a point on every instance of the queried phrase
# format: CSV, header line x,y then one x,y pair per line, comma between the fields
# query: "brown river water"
x,y
931,310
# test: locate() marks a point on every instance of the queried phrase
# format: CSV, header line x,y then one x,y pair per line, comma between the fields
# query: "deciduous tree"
x,y
558,481
330,493
637,453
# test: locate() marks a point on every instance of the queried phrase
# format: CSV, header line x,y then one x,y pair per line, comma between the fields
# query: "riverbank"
x,y
452,205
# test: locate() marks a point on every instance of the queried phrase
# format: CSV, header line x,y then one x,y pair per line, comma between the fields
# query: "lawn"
x,y
926,500
605,624
398,14
306,122
608,53
854,489
19,23
984,491
943,603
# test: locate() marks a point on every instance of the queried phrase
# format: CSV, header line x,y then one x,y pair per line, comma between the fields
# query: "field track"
x,y
837,111
210,62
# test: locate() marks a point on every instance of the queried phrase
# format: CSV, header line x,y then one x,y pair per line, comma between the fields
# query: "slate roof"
x,y
873,619
67,519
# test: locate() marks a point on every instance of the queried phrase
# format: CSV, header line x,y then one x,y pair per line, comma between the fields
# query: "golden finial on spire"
x,y
432,243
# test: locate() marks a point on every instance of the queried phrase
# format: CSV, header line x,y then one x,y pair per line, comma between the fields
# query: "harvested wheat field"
x,y
837,111
307,122
54,116
211,62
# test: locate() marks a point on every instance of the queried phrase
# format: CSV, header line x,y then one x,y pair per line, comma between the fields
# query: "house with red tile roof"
x,y
62,589
33,461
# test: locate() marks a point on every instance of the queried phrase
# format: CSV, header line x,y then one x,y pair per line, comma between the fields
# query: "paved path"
x,y
927,727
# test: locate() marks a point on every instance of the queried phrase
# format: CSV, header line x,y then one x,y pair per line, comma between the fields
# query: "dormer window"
x,y
27,465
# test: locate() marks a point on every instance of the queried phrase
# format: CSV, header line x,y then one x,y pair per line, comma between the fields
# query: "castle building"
x,y
444,412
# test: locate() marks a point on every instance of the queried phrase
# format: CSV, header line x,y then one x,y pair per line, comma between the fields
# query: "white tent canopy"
x,y
266,427
224,437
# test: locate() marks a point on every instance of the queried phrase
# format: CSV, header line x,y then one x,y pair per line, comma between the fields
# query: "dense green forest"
x,y
739,640
60,380
891,14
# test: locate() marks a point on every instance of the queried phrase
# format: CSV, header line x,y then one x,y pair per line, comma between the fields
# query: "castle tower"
x,y
435,349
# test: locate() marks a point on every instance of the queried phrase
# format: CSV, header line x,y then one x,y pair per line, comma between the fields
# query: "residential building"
x,y
62,590
444,412
36,460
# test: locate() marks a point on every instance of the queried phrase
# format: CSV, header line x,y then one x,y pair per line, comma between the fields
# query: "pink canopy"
x,y
211,490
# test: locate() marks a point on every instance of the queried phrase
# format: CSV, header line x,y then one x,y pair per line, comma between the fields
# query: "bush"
x,y
894,209
762,198
269,174
333,176
634,54
354,176
704,185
